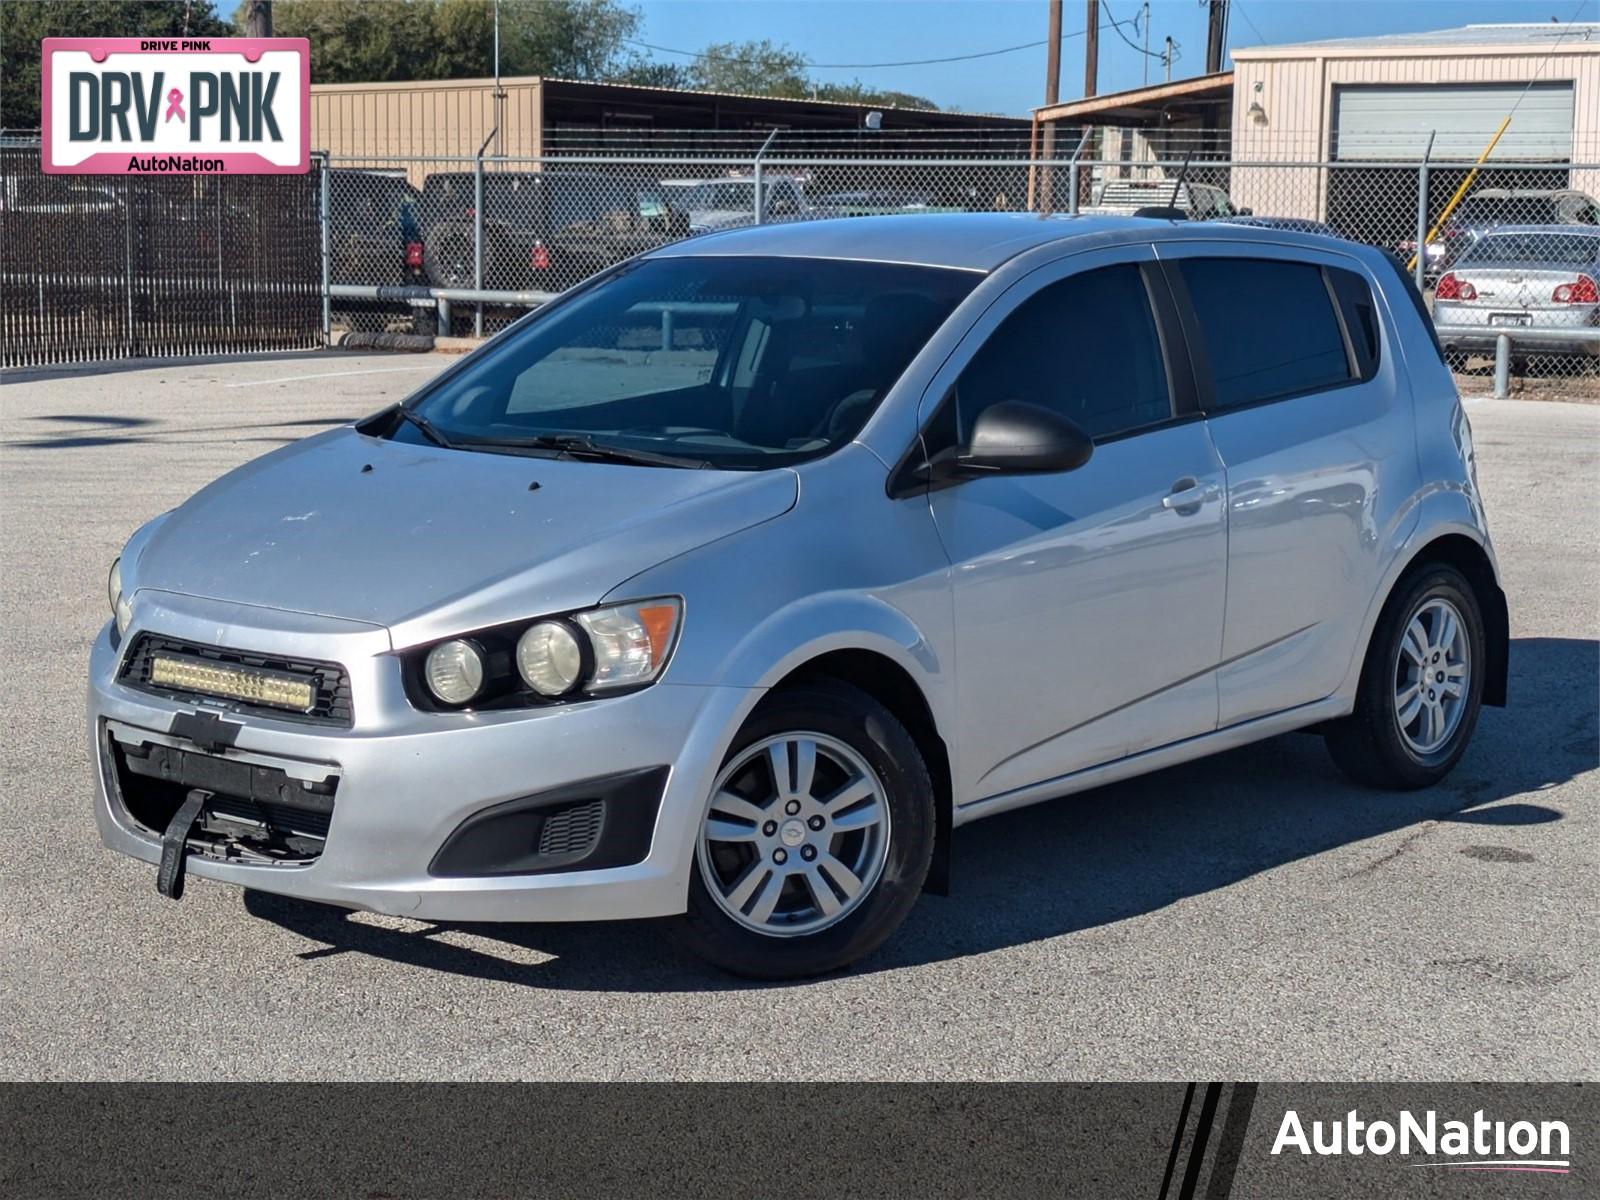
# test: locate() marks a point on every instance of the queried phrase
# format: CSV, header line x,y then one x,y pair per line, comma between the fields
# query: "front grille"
x,y
330,682
253,810
573,830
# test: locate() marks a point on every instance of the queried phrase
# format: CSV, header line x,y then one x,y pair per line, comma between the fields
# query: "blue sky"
x,y
875,31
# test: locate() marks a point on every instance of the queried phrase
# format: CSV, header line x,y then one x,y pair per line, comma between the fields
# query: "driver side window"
x,y
1085,346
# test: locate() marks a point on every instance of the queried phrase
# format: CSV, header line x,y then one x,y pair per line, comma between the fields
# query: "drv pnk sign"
x,y
176,106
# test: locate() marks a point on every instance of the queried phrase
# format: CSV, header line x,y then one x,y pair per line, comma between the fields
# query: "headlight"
x,y
550,658
454,671
121,609
631,641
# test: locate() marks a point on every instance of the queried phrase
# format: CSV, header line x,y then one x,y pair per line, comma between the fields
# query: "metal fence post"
x,y
1072,170
127,273
1422,212
1502,366
477,239
327,274
761,191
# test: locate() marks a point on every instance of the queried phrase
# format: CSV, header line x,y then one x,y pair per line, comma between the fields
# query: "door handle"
x,y
1189,494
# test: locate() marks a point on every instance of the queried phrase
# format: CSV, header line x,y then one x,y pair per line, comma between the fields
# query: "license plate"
x,y
1510,319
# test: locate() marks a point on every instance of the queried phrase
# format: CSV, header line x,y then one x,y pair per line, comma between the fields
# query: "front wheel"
x,y
1421,686
815,839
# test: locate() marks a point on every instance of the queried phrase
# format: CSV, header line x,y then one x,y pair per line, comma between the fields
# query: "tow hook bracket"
x,y
175,844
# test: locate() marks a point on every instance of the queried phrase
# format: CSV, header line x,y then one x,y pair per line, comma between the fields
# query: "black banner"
x,y
1161,1141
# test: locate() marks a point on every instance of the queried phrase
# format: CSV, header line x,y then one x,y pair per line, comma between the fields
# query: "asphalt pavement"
x,y
1253,916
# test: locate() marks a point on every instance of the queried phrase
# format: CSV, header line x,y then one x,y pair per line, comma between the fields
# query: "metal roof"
x,y
1574,38
961,241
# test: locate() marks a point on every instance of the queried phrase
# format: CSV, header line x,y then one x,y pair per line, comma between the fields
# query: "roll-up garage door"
x,y
1383,121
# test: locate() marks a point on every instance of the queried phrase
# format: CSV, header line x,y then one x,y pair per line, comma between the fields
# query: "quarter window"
x,y
1086,347
1269,326
1360,318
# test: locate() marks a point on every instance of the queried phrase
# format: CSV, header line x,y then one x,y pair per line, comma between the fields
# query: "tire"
x,y
858,746
448,256
1372,746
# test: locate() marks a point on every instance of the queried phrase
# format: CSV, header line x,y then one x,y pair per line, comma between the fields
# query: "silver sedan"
x,y
1539,277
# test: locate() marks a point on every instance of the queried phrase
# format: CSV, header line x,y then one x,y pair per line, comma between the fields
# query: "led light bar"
x,y
247,684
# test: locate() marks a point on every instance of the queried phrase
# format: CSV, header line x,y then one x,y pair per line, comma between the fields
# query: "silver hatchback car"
x,y
727,585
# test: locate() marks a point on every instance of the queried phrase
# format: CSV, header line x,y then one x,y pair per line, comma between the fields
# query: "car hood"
x,y
429,541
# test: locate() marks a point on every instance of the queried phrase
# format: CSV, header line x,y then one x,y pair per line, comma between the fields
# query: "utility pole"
x,y
258,18
1167,58
1216,35
1091,47
1052,76
1146,16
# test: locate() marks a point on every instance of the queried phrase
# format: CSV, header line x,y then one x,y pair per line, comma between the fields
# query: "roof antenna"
x,y
1178,183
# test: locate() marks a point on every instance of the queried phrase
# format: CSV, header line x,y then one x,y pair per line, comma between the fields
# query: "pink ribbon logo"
x,y
175,106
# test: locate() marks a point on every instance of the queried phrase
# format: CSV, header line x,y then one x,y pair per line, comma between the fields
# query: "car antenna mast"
x,y
1183,174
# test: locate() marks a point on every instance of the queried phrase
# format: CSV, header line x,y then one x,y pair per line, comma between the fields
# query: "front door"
x,y
1088,604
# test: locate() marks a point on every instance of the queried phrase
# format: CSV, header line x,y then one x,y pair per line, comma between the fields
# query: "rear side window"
x,y
1270,328
1360,318
1086,347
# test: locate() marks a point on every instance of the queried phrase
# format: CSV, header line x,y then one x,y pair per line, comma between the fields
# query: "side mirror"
x,y
1017,438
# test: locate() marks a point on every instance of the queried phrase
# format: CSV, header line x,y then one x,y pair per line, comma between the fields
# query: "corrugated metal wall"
x,y
1296,95
449,117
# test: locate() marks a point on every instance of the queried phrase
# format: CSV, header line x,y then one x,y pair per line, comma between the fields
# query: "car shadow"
x,y
1083,861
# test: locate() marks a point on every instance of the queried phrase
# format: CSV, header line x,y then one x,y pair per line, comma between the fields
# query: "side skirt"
x,y
1154,760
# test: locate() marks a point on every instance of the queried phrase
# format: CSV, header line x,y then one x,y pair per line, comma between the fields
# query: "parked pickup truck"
x,y
730,202
542,230
1138,197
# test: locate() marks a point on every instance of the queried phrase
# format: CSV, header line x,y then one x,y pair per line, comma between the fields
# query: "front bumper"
x,y
408,780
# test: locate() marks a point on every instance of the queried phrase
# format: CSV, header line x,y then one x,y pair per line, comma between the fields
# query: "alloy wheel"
x,y
796,834
1433,671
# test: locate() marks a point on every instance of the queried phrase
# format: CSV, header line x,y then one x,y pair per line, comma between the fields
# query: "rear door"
x,y
1309,408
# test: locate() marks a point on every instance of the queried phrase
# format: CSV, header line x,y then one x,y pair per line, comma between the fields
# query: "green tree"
x,y
856,92
23,23
375,41
762,68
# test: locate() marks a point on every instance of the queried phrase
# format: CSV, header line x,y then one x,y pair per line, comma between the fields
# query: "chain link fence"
x,y
1507,255
1510,258
106,267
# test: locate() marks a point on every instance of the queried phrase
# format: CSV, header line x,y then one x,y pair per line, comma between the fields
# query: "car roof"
x,y
962,241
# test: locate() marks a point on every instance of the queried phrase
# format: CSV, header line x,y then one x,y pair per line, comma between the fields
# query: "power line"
x,y
1117,25
915,62
1261,38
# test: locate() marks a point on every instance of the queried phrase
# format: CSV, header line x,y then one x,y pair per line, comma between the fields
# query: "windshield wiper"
x,y
427,427
578,445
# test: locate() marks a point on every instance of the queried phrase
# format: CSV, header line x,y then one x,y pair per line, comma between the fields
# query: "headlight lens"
x,y
631,641
550,658
121,609
454,671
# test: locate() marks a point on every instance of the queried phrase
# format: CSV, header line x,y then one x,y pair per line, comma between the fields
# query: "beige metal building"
x,y
1380,99
534,116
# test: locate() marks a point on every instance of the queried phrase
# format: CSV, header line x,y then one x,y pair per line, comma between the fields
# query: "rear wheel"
x,y
1421,686
816,837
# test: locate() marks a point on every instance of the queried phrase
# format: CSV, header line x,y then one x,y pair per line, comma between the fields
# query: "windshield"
x,y
1561,248
738,362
